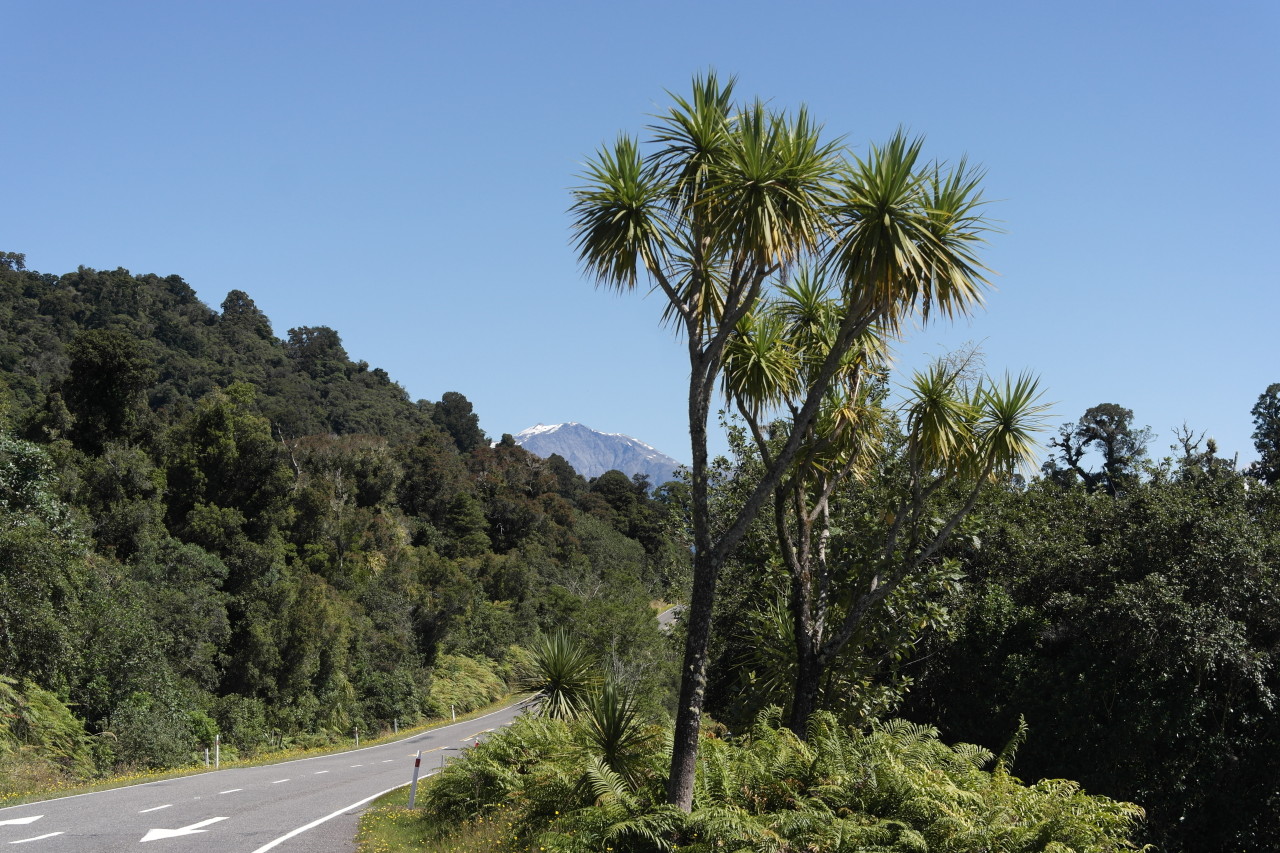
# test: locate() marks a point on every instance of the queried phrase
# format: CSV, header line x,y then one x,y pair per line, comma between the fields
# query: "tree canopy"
x,y
725,202
204,528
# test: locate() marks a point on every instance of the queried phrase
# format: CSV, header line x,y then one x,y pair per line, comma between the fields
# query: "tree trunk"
x,y
808,666
809,671
693,675
693,686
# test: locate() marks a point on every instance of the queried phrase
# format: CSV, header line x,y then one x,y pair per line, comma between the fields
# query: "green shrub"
x,y
41,741
463,685
893,789
150,733
242,722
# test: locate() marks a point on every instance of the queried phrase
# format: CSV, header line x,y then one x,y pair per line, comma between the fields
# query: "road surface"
x,y
294,807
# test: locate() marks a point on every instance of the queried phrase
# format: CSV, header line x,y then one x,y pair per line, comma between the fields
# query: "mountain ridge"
x,y
592,453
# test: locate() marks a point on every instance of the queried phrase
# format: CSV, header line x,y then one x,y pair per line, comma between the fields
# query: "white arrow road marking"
x,y
21,820
156,809
37,838
157,834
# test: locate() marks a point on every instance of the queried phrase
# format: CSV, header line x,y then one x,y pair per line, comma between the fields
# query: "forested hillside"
x,y
205,528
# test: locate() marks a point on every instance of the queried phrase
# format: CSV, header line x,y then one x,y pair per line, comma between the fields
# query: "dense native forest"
x,y
206,529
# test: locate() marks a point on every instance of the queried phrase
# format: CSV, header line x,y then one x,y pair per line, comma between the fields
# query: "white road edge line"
x,y
291,833
156,809
518,704
46,835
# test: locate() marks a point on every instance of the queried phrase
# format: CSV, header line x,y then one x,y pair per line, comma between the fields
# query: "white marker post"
x,y
357,737
217,751
413,786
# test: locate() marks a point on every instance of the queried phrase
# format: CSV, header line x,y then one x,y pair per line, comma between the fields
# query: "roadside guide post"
x,y
217,751
413,786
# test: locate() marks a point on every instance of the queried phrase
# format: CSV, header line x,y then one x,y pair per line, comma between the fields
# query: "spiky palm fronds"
x,y
768,643
761,366
941,421
692,138
564,674
770,191
725,196
615,732
905,234
619,218
1011,412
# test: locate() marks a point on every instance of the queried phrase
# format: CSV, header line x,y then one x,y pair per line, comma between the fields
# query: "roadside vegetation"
x,y
209,532
587,774
879,546
28,778
895,633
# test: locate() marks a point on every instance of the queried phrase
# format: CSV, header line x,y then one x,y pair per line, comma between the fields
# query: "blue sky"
x,y
400,172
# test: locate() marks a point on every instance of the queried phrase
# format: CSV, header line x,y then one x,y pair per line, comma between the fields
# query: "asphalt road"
x,y
294,807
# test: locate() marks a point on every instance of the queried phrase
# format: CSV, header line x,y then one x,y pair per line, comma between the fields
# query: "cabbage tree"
x,y
715,210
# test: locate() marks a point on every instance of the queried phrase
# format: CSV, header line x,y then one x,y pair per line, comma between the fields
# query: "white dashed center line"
x,y
231,790
156,808
278,781
37,838
318,772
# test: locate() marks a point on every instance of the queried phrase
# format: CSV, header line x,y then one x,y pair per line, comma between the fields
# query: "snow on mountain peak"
x,y
592,453
537,429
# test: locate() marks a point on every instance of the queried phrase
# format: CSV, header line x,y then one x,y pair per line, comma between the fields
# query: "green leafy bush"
x,y
896,787
39,733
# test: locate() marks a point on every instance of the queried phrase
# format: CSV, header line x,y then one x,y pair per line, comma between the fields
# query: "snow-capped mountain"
x,y
592,453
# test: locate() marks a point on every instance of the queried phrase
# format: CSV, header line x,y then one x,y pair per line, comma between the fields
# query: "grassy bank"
x,y
388,826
